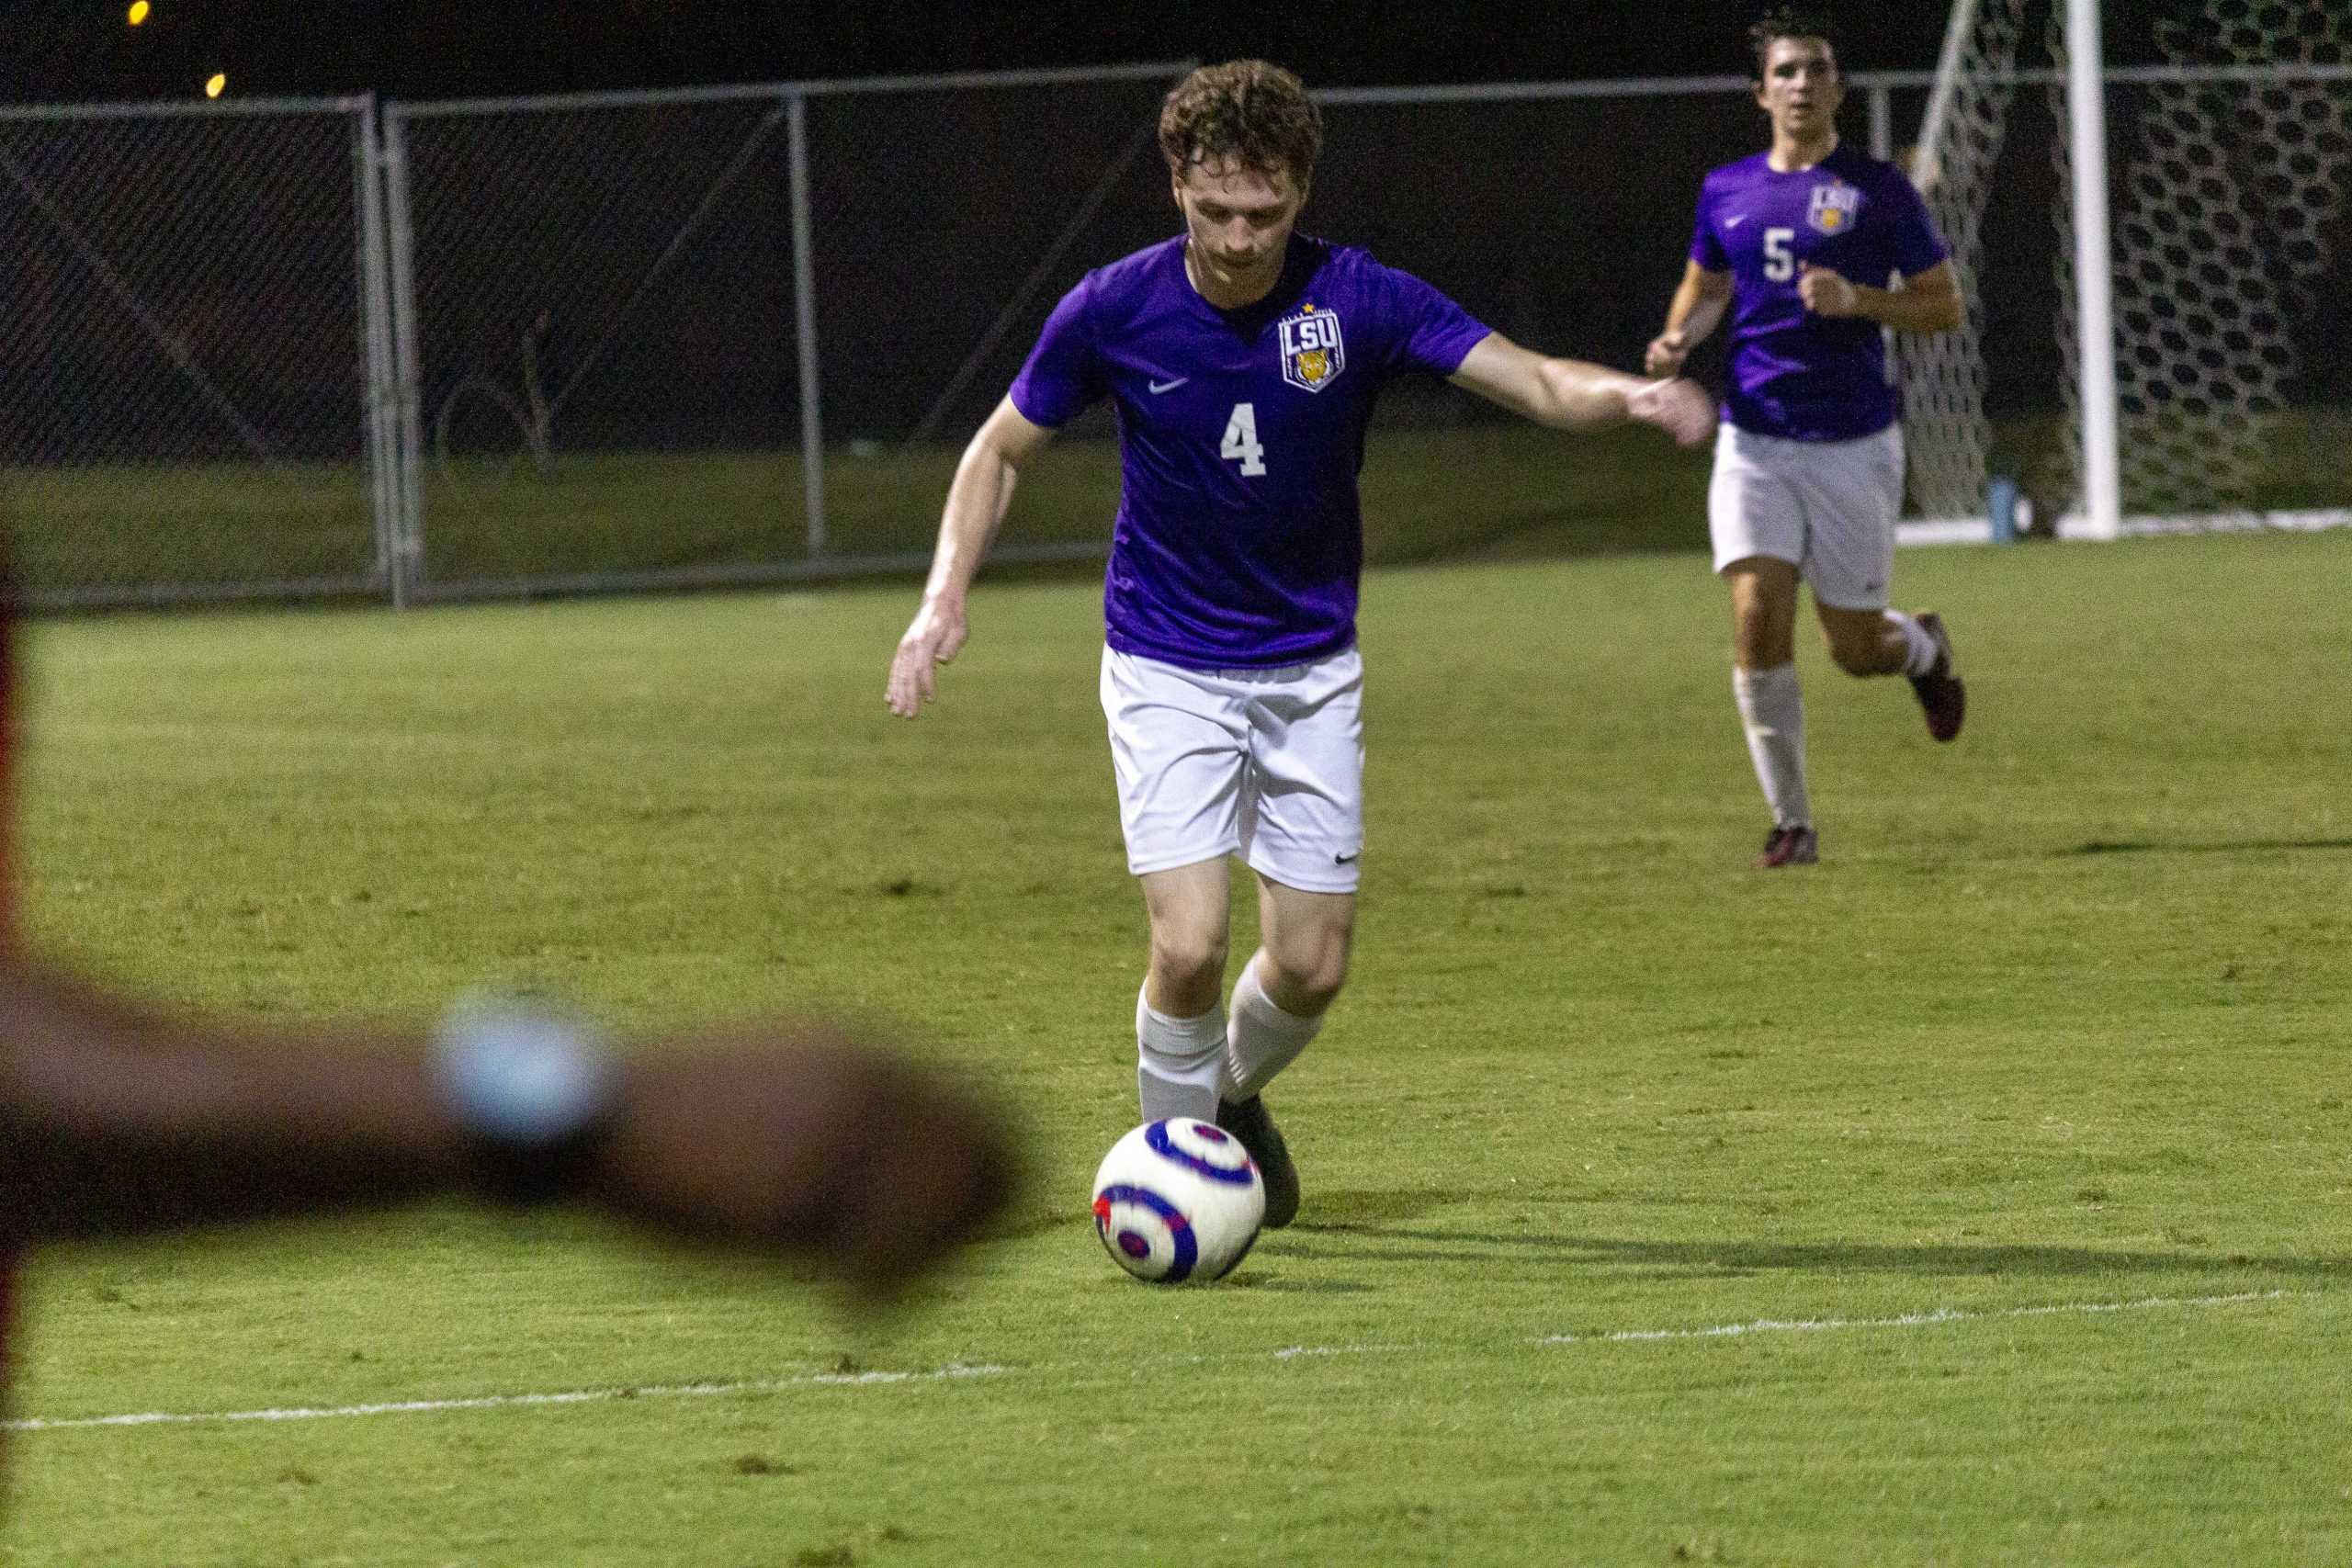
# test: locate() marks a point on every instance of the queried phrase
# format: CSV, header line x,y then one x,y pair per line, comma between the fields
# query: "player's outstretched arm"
x,y
116,1119
977,500
1572,394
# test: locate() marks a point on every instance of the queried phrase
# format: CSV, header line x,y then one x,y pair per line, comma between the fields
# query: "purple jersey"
x,y
1794,373
1238,541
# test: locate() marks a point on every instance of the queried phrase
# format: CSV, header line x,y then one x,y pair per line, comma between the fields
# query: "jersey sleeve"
x,y
1063,373
1706,245
1917,246
1433,334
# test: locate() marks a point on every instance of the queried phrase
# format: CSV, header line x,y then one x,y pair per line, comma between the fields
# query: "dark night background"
x,y
79,51
644,254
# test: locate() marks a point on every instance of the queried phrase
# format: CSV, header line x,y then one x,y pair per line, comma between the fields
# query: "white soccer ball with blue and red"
x,y
1178,1202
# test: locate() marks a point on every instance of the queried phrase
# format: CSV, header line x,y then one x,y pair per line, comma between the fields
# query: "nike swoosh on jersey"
x,y
1735,219
1159,386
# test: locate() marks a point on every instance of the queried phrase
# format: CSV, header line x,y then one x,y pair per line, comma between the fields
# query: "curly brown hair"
x,y
1790,21
1249,110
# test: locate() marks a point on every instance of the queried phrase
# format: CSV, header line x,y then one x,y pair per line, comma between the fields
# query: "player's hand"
x,y
1826,293
796,1138
934,638
1679,407
1666,352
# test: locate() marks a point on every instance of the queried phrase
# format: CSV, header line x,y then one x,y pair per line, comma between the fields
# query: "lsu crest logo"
x,y
1834,208
1313,351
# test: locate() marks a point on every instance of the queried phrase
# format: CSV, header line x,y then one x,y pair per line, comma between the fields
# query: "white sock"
x,y
1260,1040
1177,1062
1920,649
1772,712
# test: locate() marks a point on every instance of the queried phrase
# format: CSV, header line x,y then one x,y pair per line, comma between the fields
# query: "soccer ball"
x,y
1178,1201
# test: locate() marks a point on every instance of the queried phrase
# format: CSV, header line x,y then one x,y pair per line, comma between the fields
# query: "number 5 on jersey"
x,y
1241,440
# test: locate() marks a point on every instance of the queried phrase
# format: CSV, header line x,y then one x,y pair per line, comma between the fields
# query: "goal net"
x,y
2227,146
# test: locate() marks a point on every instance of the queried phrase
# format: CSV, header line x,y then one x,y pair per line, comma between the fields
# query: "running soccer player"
x,y
1793,243
1244,359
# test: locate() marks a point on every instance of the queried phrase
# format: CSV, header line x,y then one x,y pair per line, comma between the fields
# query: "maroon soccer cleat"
x,y
1942,697
1790,846
1254,1129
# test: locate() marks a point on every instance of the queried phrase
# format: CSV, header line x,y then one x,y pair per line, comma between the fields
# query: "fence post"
x,y
408,557
375,332
804,293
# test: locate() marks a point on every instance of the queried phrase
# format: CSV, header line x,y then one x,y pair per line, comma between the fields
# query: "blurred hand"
x,y
1824,293
818,1144
1666,352
934,638
1680,408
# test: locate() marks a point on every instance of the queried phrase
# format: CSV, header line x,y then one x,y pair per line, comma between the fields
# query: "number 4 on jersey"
x,y
1241,440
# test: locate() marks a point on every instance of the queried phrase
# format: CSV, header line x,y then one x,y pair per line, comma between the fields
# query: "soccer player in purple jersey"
x,y
1793,244
1244,359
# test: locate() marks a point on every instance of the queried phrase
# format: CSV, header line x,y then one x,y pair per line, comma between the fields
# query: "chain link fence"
x,y
711,337
472,349
185,388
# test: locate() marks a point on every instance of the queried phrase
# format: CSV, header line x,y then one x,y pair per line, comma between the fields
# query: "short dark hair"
x,y
1249,110
1790,21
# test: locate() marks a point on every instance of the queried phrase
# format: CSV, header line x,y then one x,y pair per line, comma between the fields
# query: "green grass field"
x,y
214,525
1977,1197
1431,492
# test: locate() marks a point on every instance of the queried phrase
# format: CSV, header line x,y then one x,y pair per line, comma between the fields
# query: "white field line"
x,y
1920,1319
504,1401
1288,1353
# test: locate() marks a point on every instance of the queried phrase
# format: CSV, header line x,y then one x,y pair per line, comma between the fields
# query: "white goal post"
x,y
1927,168
2200,225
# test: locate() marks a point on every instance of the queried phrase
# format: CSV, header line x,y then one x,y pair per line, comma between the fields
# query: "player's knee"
x,y
1310,974
1188,963
1321,989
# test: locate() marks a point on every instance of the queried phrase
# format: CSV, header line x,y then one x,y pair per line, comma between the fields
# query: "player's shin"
x,y
1772,710
1261,1039
1178,1062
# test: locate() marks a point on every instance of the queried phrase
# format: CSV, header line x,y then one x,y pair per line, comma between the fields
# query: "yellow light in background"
x,y
139,9
212,88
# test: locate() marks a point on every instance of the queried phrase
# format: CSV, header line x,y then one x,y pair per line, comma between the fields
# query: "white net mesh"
x,y
1944,376
2219,233
2229,154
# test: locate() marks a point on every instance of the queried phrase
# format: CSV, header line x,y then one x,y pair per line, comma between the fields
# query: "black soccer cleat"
x,y
1941,695
1248,1121
1792,845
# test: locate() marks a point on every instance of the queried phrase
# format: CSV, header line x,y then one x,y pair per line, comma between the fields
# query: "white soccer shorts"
x,y
1827,507
1266,763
